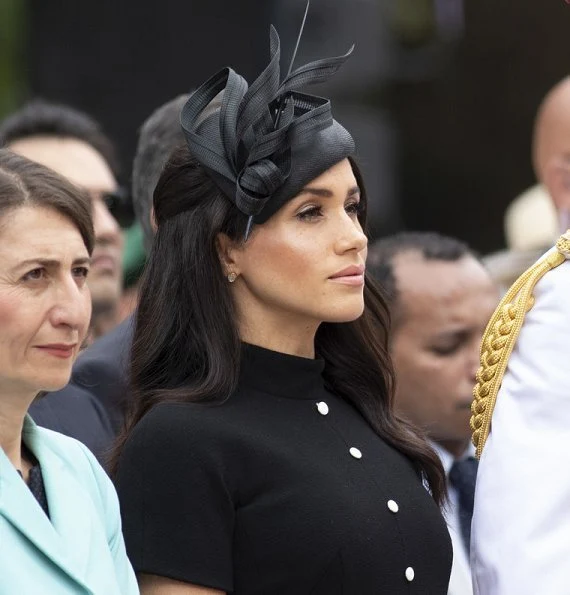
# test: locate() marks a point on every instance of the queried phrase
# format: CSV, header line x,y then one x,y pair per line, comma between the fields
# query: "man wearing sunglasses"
x,y
73,144
91,407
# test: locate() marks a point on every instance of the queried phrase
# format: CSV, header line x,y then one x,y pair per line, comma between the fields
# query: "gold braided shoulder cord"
x,y
500,337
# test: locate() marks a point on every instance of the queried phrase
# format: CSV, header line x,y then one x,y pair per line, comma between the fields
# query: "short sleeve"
x,y
176,498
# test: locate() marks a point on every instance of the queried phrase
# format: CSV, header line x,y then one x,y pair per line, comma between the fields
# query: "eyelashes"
x,y
309,214
40,274
34,275
81,272
353,208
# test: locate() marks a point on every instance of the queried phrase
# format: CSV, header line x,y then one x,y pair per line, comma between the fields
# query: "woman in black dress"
x,y
262,455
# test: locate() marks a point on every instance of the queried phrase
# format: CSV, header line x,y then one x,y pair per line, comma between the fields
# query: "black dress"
x,y
284,489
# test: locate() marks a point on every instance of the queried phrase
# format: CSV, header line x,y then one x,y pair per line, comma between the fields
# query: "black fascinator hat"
x,y
267,140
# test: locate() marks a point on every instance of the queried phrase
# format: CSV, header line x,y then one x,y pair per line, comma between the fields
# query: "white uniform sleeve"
x,y
521,521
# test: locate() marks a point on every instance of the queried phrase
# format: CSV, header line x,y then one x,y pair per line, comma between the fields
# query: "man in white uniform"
x,y
521,413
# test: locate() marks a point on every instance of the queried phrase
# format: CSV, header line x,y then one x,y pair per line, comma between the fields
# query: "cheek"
x,y
8,308
411,356
421,374
410,373
288,261
16,318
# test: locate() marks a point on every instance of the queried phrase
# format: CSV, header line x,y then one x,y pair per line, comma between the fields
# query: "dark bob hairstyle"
x,y
26,183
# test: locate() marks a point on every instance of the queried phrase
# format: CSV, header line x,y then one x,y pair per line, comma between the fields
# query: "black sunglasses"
x,y
120,205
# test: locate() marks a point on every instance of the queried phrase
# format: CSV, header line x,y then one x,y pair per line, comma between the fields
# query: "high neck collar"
x,y
281,374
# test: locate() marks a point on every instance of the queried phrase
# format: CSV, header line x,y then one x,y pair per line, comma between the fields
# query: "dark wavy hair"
x,y
186,346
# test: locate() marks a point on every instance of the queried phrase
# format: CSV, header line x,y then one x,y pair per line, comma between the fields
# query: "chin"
x,y
349,313
55,382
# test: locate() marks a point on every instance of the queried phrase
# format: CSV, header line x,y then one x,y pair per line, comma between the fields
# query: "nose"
x,y
350,235
106,228
71,305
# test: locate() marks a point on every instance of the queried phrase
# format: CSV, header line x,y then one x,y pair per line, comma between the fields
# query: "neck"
x,y
454,447
283,333
12,413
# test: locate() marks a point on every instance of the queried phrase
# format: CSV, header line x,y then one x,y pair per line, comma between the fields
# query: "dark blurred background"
x,y
440,94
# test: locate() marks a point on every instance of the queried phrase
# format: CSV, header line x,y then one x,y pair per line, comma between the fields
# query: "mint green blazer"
x,y
80,551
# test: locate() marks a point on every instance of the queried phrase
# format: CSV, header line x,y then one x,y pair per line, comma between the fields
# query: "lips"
x,y
350,271
61,350
352,275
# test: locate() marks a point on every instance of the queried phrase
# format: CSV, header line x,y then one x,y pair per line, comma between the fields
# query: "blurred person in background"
x,y
551,150
535,218
440,299
74,145
60,525
101,371
134,260
521,411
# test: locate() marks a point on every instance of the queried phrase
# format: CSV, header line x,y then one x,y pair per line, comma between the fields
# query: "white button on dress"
x,y
355,453
322,408
393,506
410,574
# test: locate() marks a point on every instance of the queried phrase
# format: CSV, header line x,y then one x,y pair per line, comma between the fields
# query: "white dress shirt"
x,y
460,581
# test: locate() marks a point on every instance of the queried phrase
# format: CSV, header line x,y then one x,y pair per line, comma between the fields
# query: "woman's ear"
x,y
228,254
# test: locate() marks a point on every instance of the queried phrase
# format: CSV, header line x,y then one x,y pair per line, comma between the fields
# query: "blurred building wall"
x,y
440,94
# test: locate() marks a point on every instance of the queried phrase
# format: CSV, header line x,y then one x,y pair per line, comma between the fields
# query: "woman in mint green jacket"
x,y
60,528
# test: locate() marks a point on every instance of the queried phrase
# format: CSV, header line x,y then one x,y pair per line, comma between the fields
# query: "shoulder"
x,y
524,348
76,460
65,447
75,455
183,439
176,424
75,412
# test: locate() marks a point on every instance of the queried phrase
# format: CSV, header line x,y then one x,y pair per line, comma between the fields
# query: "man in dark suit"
x,y
92,406
72,144
440,299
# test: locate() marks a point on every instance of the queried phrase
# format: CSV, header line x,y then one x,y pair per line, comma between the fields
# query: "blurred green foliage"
x,y
413,21
13,71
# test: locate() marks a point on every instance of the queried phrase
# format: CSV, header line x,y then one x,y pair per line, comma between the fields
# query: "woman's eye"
x,y
34,275
309,214
354,208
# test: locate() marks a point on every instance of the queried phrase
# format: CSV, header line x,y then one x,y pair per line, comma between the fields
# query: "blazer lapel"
x,y
20,508
70,509
64,539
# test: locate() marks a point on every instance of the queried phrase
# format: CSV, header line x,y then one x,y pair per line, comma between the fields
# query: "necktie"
x,y
462,477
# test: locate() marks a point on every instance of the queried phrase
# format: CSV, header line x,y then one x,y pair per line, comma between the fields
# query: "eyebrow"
x,y
326,193
50,262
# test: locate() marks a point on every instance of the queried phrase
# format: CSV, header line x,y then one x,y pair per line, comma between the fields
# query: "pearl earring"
x,y
232,277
